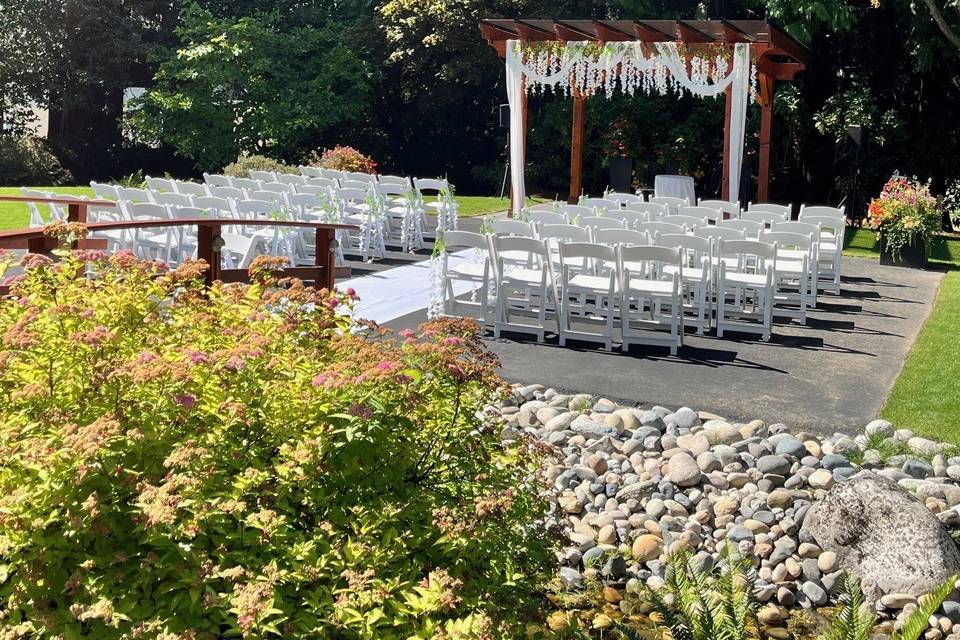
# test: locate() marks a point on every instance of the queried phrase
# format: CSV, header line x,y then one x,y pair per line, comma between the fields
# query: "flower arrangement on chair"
x,y
904,215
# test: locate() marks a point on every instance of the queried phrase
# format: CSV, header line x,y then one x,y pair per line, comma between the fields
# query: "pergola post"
x,y
576,149
725,187
523,143
766,125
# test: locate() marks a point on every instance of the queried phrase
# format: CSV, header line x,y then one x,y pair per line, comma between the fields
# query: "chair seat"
x,y
828,247
524,276
690,274
746,279
469,269
792,254
592,283
650,287
794,267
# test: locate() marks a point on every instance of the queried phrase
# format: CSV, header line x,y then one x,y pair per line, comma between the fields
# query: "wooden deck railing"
x,y
209,243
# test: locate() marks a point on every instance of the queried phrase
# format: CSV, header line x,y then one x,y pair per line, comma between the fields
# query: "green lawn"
x,y
924,396
471,206
14,215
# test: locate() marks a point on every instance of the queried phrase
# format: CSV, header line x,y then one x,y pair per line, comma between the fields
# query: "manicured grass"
x,y
924,397
14,215
863,243
472,206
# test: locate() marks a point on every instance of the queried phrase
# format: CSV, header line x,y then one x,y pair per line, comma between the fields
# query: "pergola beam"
x,y
647,33
692,35
610,33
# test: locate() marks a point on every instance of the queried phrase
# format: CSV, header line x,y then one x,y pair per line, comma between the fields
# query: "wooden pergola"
x,y
777,55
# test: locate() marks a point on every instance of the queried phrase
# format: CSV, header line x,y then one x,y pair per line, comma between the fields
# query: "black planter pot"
x,y
913,255
621,170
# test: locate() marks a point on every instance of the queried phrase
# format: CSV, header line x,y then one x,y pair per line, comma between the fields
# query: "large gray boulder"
x,y
883,535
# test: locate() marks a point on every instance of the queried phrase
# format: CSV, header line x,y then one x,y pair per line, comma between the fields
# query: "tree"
x,y
254,84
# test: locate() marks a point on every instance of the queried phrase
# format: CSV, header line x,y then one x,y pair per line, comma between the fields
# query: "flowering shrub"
x,y
242,166
344,159
182,463
905,213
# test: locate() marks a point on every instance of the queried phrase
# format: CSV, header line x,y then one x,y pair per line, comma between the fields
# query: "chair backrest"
x,y
745,250
103,191
264,176
174,199
513,228
833,225
227,192
187,213
821,210
620,236
352,195
690,222
277,187
573,211
623,198
308,200
653,228
147,211
636,258
583,251
726,206
566,232
400,180
708,213
255,208
547,218
269,196
784,210
602,222
670,202
245,183
390,189
652,210
321,182
214,203
797,227
630,218
787,240
191,188
160,184
310,172
464,239
764,217
335,174
360,176
716,233
134,194
291,179
599,203
355,184
751,228
216,180
690,244
315,189
520,244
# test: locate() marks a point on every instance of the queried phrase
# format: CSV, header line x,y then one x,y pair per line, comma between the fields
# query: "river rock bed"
x,y
631,485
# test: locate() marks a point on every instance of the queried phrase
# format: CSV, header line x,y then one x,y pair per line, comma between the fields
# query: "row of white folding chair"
x,y
832,222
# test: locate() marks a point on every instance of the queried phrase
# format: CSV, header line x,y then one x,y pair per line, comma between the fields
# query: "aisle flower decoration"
x,y
904,214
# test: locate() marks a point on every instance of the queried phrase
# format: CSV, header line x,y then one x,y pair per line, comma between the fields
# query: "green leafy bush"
x,y
26,161
182,464
243,165
344,159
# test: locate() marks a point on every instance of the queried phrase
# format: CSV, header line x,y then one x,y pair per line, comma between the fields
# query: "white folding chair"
x,y
216,180
316,189
728,208
782,210
653,228
750,228
574,212
134,194
696,277
598,222
230,193
400,208
672,204
359,208
172,199
264,176
335,174
623,199
536,280
160,184
277,187
363,185
291,179
614,237
711,215
822,210
509,227
269,196
745,286
652,210
215,206
688,222
829,246
102,191
796,286
650,298
443,206
766,218
630,218
191,188
598,285
557,234
401,181
326,183
599,204
310,172
474,272
37,218
540,218
159,240
360,176
245,183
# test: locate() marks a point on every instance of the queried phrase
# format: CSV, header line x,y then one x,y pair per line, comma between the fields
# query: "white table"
x,y
676,187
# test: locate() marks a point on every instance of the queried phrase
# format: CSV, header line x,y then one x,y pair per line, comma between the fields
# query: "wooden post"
x,y
208,235
728,100
765,83
523,144
326,257
77,212
576,149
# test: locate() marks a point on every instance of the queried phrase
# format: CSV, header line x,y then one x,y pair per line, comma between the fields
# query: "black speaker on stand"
x,y
505,124
857,138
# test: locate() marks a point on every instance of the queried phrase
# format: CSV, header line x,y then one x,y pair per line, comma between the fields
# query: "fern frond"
x,y
850,622
927,605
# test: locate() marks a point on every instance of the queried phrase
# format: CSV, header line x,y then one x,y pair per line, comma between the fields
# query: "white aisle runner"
x,y
393,293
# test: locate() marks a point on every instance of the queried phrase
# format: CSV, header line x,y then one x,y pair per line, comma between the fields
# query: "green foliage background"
x,y
412,83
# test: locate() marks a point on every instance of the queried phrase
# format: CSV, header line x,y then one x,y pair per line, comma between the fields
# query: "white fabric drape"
x,y
623,65
518,189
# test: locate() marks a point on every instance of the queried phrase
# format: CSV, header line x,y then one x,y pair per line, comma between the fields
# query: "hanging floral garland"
x,y
590,68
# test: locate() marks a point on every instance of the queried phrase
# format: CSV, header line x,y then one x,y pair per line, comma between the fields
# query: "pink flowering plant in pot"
x,y
191,463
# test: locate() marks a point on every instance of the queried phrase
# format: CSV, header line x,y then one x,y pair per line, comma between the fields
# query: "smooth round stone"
x,y
740,533
923,446
792,447
775,464
827,562
684,471
707,461
655,507
785,597
897,600
770,616
728,455
880,428
766,517
917,469
686,417
809,569
816,594
607,535
833,461
647,547
592,556
821,479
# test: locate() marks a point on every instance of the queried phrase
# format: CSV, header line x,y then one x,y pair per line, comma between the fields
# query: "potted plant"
x,y
905,217
619,162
